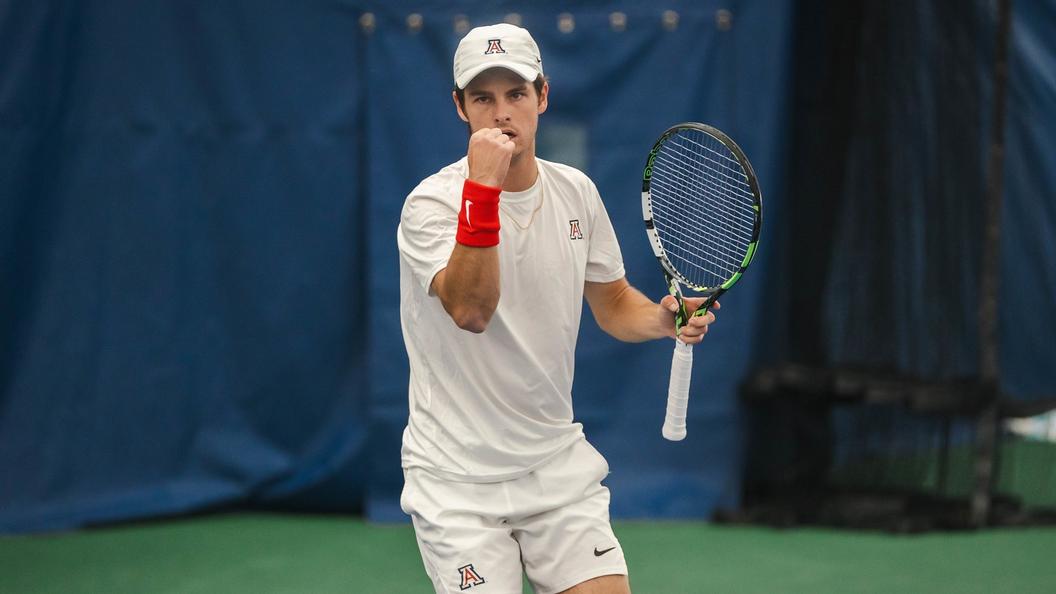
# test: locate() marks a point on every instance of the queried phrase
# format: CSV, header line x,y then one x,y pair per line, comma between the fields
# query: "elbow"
x,y
473,320
470,313
474,324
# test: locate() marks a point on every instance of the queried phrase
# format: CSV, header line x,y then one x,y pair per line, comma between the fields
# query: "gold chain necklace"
x,y
542,197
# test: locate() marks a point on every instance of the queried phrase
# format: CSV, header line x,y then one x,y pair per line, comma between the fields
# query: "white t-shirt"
x,y
493,406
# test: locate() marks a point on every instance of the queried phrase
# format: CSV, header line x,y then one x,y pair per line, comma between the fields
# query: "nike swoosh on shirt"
x,y
598,553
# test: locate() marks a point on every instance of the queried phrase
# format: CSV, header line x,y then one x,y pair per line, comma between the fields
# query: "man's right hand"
x,y
489,156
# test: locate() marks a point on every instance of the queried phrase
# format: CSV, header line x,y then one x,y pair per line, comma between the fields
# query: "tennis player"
x,y
497,252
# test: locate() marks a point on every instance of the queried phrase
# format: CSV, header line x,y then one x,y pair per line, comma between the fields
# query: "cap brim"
x,y
526,72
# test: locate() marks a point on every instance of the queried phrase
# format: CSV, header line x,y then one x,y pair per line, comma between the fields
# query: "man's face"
x,y
499,98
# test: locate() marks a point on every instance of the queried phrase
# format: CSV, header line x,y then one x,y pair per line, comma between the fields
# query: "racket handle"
x,y
678,392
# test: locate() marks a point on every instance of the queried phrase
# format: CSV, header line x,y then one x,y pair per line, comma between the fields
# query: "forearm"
x,y
469,287
628,315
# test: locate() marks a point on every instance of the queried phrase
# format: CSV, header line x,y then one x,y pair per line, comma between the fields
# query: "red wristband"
x,y
478,220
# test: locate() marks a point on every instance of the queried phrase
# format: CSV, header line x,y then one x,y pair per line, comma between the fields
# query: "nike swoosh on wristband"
x,y
598,553
468,204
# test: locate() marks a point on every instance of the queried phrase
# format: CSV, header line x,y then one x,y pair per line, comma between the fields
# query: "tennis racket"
x,y
702,209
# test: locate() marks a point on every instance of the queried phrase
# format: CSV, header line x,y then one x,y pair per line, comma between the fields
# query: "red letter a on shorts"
x,y
469,576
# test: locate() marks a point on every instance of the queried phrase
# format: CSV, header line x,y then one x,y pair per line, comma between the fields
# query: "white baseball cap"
x,y
497,46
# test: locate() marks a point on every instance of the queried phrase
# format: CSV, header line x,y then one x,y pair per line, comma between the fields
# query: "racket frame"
x,y
675,279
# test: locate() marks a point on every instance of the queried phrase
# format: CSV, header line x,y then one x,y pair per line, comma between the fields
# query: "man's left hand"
x,y
697,326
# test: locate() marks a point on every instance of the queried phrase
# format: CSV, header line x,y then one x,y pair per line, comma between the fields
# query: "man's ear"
x,y
542,96
458,107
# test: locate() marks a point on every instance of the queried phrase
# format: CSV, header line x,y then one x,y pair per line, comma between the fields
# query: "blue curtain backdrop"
x,y
1028,259
183,259
198,273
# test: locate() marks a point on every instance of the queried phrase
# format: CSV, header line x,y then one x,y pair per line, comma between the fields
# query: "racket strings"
x,y
730,247
732,186
734,233
735,183
736,222
702,272
703,208
732,165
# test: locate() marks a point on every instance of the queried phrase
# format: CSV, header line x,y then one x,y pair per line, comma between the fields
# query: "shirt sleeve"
x,y
426,234
604,260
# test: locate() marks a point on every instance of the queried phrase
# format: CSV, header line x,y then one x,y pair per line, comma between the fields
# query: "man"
x,y
497,252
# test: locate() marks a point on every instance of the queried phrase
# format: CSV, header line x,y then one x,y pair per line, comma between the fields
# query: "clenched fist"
x,y
489,156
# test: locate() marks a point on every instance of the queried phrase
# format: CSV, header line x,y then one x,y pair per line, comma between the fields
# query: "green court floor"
x,y
263,553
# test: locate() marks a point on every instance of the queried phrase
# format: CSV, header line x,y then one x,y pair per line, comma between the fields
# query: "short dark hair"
x,y
537,83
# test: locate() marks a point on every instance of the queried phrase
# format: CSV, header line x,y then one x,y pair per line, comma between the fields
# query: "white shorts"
x,y
552,523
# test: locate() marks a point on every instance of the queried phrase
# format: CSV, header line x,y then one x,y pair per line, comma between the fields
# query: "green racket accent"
x,y
704,307
726,285
748,256
681,316
648,174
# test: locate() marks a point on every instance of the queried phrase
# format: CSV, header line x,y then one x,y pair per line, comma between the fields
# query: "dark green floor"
x,y
260,554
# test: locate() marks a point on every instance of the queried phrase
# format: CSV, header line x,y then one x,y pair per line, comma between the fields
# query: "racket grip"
x,y
678,392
